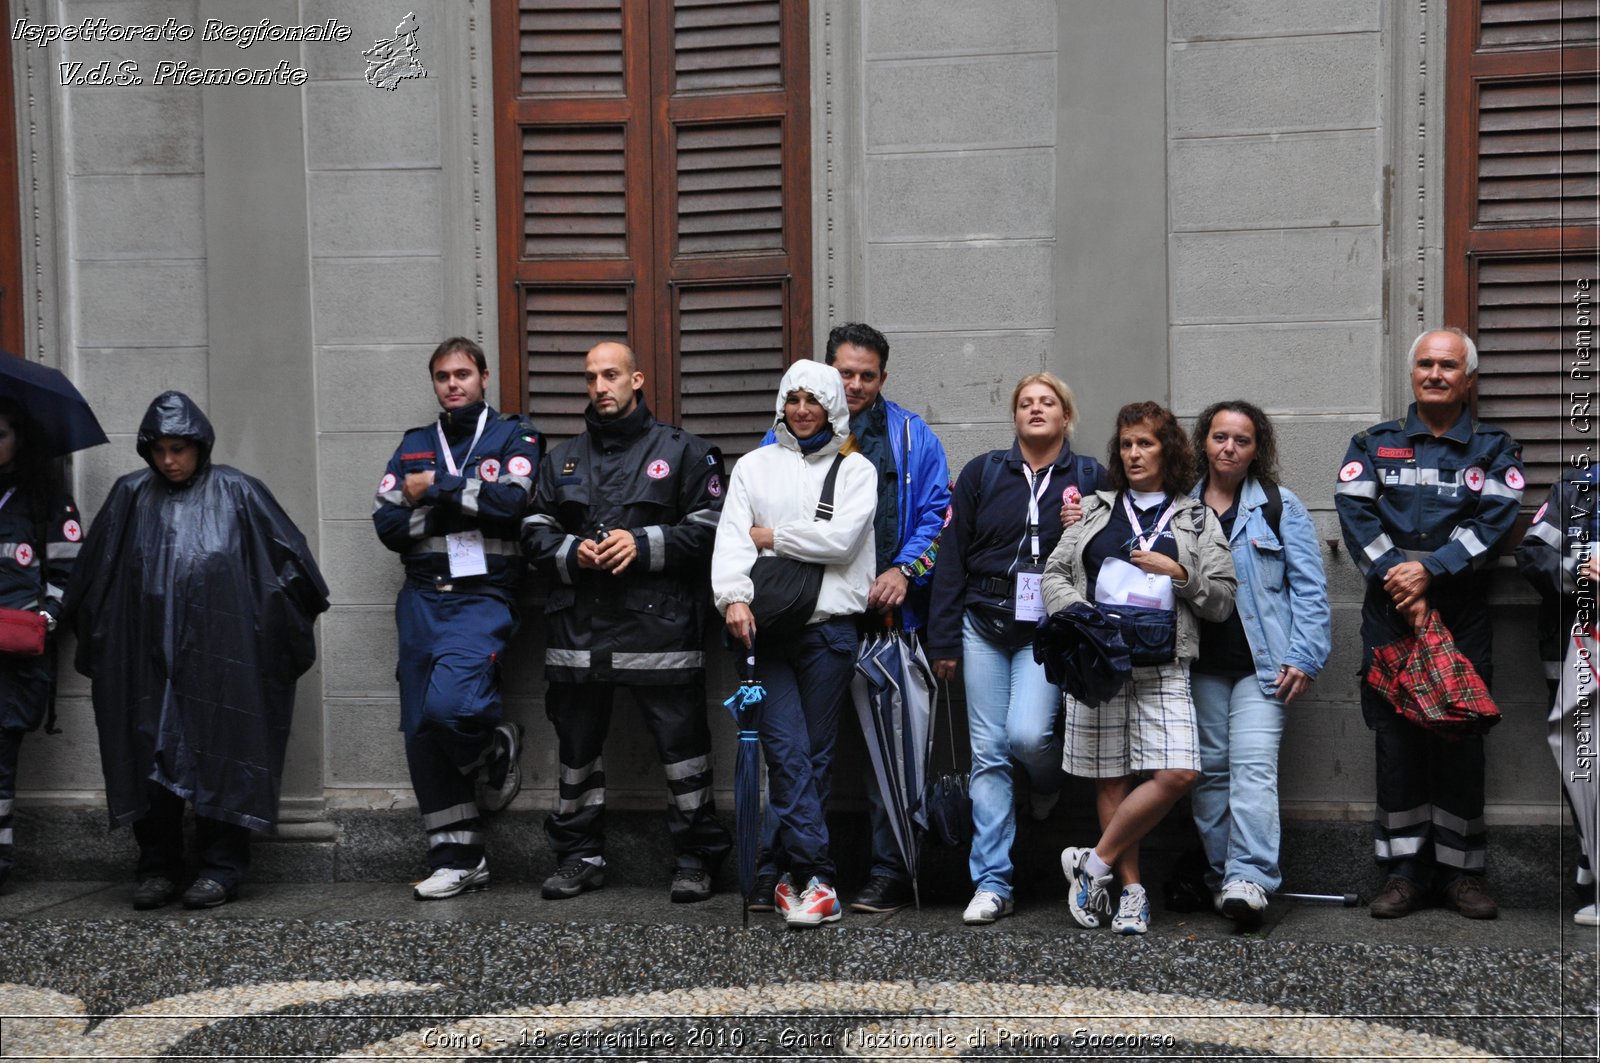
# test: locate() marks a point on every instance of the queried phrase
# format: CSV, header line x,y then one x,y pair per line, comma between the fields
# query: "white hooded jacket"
x,y
777,487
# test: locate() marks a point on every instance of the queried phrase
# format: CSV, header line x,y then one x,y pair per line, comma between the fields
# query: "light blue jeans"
x,y
1236,800
1012,711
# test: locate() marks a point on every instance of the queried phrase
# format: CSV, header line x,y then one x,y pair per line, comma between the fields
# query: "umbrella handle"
x,y
750,665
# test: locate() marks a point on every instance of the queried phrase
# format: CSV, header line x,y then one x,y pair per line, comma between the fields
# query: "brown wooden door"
x,y
653,175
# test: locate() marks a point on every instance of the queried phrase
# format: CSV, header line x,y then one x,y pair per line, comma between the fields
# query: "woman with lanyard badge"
x,y
1148,545
1004,520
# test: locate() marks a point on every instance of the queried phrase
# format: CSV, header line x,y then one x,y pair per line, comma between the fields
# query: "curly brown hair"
x,y
1264,466
1177,457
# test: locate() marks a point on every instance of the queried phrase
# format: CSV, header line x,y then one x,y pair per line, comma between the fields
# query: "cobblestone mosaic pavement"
x,y
361,971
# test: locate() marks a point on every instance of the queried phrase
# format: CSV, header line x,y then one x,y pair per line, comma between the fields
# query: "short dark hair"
x,y
1177,457
459,345
1264,466
859,335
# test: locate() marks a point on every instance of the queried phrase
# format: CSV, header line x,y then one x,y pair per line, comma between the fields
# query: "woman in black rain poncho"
x,y
194,600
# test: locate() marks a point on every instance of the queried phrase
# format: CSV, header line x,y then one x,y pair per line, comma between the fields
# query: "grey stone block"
x,y
960,286
351,466
931,27
364,745
369,22
376,389
378,301
96,469
963,442
1287,275
1311,179
951,376
1200,20
1299,368
142,304
358,654
1274,85
359,569
961,103
139,216
978,195
146,53
1326,755
120,384
352,126
1310,453
134,129
67,761
373,212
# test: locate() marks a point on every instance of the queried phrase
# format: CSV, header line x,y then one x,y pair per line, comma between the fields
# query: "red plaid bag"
x,y
1430,683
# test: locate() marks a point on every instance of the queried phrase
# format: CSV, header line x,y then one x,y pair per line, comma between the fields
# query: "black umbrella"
x,y
747,778
1083,653
893,693
65,421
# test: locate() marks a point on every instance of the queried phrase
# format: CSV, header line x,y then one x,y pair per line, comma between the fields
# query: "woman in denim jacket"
x,y
1257,661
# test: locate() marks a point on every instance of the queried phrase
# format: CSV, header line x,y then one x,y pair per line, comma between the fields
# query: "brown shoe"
x,y
1400,897
1466,895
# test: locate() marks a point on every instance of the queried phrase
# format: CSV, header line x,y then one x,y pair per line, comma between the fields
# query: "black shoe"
x,y
207,893
1399,898
690,884
882,894
153,892
572,878
760,899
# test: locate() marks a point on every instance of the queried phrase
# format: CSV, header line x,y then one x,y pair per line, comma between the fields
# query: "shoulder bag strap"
x,y
825,503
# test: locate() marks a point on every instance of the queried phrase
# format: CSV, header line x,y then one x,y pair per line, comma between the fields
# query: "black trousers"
x,y
676,717
10,747
444,760
222,850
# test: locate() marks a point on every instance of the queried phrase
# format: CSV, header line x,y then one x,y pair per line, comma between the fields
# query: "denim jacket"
x,y
1283,593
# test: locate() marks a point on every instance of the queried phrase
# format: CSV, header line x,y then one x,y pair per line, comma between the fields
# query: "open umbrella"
x,y
65,421
1575,693
1430,683
1083,653
893,694
747,778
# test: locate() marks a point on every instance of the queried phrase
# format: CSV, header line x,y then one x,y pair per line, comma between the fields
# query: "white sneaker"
x,y
1086,895
985,908
450,881
1588,915
1244,902
1133,911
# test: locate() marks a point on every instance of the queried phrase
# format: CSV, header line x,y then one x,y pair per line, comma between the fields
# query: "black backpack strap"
x,y
825,502
991,473
1273,510
1088,473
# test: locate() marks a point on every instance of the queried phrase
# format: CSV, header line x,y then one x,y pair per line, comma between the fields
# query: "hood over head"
x,y
824,384
172,413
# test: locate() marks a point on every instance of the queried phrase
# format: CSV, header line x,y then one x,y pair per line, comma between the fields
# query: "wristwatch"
x,y
49,621
907,571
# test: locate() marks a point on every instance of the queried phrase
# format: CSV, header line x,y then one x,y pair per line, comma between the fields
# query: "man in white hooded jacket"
x,y
770,510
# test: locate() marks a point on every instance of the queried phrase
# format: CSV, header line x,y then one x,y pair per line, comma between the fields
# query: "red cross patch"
x,y
386,484
1537,517
658,470
24,555
1071,494
1350,471
72,531
489,470
1514,478
519,466
1474,478
714,486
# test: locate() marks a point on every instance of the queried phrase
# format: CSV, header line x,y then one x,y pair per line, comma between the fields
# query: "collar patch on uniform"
x,y
1473,478
24,555
711,460
569,468
658,470
714,486
1397,452
519,466
1351,470
489,469
386,484
72,531
1391,477
1514,478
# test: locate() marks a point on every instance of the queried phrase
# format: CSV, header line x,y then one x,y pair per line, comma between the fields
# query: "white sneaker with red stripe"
x,y
817,905
783,896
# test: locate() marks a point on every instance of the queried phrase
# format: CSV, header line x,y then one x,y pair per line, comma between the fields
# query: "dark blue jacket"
x,y
1563,533
491,494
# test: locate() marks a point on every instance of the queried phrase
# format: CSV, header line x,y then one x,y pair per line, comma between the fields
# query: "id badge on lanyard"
x,y
464,549
1027,590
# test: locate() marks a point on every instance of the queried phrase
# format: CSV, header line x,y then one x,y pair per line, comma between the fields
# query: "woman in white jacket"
x,y
770,510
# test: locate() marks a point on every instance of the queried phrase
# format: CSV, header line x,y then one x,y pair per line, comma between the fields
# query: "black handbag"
x,y
1151,635
786,590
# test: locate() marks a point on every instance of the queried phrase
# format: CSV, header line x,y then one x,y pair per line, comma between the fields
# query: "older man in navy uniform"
x,y
1423,502
451,505
622,525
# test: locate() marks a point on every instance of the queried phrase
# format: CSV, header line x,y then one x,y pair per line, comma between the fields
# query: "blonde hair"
x,y
1069,405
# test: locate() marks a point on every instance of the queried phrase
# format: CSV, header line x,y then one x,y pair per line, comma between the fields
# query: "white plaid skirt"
x,y
1147,726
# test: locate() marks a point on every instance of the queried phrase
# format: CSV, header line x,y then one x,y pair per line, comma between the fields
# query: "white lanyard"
x,y
7,497
1138,529
444,444
1034,494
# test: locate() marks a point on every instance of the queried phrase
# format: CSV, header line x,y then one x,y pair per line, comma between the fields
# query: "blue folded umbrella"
x,y
744,705
1083,653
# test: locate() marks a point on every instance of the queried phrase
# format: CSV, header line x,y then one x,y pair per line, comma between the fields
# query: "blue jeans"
x,y
1011,712
1236,800
806,678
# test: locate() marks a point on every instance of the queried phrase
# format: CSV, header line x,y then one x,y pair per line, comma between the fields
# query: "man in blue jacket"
x,y
1423,501
913,494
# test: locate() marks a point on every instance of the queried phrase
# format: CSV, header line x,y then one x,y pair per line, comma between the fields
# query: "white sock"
x,y
1097,868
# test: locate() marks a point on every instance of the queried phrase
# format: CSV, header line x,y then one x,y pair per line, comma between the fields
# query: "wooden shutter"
x,y
654,184
1521,192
